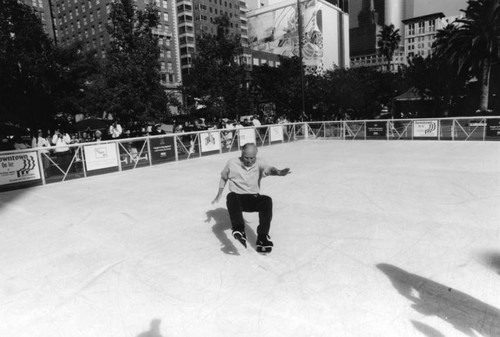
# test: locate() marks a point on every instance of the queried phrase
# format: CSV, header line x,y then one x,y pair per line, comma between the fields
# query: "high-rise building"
x,y
366,19
86,21
197,17
273,28
420,32
43,11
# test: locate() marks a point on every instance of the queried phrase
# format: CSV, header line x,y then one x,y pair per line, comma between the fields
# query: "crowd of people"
x,y
60,138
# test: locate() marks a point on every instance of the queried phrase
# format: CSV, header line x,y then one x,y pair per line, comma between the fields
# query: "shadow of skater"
x,y
426,330
430,298
223,224
154,330
492,260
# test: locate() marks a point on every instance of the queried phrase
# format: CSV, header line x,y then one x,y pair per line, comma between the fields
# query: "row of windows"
x,y
37,3
420,27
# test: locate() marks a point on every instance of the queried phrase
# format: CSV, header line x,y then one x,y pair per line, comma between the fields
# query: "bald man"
x,y
244,175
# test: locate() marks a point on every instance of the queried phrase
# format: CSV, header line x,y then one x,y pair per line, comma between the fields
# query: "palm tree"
x,y
472,47
388,42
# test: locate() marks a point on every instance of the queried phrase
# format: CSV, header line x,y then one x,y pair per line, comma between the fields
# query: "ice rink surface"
x,y
371,238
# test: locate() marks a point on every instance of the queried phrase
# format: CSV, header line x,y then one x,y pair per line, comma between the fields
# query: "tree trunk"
x,y
388,65
485,85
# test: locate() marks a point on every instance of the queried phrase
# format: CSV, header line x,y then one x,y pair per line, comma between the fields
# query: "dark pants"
x,y
239,203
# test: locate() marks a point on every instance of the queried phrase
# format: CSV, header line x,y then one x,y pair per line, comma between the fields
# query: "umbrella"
x,y
91,124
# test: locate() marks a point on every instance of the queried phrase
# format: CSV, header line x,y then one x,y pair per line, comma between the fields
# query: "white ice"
x,y
372,238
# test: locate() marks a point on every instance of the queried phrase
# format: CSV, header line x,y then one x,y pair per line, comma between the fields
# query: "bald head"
x,y
249,154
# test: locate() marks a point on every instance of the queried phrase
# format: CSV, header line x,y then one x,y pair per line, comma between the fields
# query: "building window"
x,y
162,64
169,67
165,17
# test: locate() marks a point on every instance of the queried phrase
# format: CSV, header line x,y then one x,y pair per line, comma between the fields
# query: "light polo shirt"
x,y
245,180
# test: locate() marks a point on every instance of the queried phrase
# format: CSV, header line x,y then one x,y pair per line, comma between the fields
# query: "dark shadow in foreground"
x,y
430,298
426,330
154,329
492,260
223,225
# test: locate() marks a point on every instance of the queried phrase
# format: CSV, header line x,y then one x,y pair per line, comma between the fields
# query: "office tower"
x,y
86,20
43,11
197,17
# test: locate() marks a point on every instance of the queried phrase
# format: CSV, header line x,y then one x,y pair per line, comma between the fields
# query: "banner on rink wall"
x,y
376,129
246,136
20,167
276,133
493,128
425,129
100,156
162,149
210,141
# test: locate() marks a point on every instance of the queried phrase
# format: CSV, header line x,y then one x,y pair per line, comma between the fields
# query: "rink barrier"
x,y
41,166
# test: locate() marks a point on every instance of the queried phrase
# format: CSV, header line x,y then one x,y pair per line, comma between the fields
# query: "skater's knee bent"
x,y
232,200
266,201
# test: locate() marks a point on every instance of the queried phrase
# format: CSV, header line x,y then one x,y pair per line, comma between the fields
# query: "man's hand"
x,y
216,200
284,172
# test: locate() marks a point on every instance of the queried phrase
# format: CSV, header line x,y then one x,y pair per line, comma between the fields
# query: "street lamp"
x,y
301,59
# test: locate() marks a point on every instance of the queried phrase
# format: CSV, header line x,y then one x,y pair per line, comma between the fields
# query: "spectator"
x,y
97,136
19,144
39,140
61,142
255,121
115,130
157,130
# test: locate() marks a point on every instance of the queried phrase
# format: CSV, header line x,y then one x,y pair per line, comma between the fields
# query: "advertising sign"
x,y
100,156
425,129
376,129
20,167
162,149
246,136
210,141
493,127
276,133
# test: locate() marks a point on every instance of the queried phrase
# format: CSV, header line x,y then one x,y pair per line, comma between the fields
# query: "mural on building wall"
x,y
277,32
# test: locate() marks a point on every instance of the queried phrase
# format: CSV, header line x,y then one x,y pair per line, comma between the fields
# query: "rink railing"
x,y
40,166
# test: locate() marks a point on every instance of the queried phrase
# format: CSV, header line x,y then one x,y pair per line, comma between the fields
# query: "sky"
x,y
448,7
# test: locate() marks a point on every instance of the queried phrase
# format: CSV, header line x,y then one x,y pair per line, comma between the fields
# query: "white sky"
x,y
448,7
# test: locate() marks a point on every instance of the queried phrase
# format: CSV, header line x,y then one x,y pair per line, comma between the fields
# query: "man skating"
x,y
244,175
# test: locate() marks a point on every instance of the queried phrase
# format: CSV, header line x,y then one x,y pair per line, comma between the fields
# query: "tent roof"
x,y
412,94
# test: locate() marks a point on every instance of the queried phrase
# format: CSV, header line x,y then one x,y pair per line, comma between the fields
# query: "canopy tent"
x,y
412,94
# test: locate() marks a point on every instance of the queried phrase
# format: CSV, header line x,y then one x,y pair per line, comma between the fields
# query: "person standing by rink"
x,y
244,175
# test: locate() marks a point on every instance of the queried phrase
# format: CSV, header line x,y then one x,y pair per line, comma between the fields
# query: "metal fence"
x,y
40,166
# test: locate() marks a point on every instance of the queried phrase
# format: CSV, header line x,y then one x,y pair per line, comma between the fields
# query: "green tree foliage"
x,y
130,88
436,81
219,80
472,48
357,92
388,42
26,66
76,71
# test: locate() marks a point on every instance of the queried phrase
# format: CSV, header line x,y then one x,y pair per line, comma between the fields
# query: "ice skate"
x,y
264,244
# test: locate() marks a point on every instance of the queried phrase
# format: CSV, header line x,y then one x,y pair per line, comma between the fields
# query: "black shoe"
x,y
264,244
241,237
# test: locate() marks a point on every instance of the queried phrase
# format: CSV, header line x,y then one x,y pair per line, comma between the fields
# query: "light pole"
x,y
301,59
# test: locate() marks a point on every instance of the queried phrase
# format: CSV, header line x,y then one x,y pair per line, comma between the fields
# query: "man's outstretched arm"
x,y
222,184
275,172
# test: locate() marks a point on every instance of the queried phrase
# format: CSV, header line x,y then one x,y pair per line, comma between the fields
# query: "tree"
x,y
388,43
219,80
130,88
473,47
76,71
26,66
